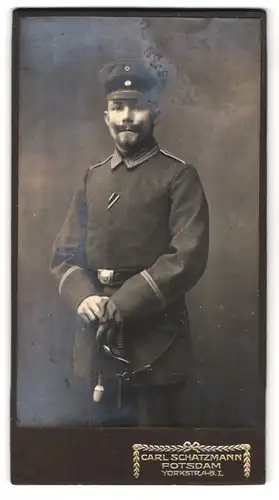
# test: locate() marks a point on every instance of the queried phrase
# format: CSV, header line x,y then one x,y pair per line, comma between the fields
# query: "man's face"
x,y
130,122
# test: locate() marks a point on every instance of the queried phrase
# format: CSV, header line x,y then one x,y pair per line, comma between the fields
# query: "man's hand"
x,y
92,307
103,309
110,324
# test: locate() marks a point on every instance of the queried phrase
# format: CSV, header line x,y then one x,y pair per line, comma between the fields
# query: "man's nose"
x,y
127,114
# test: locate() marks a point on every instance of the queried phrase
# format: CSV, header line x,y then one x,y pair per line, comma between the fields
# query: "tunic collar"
x,y
137,159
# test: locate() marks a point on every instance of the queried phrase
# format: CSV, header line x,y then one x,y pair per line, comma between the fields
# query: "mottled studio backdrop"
x,y
211,119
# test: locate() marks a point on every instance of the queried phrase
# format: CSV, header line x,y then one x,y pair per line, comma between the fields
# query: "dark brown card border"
x,y
106,456
80,455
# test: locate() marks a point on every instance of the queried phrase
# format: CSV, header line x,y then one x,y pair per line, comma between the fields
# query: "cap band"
x,y
133,82
124,94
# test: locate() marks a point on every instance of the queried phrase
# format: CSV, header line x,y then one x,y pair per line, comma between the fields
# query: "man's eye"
x,y
117,106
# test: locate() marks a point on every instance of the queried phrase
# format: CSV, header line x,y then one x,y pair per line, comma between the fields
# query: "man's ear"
x,y
106,118
157,115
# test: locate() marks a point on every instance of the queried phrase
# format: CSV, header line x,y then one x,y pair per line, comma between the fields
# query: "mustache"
x,y
127,128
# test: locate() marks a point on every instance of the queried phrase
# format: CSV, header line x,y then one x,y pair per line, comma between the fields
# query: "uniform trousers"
x,y
174,405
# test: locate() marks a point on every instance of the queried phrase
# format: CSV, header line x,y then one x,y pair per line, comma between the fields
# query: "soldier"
x,y
134,242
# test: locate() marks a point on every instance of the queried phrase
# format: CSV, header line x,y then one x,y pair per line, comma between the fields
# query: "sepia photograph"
x,y
139,231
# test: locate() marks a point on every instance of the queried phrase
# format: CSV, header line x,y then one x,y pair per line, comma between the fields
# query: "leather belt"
x,y
111,276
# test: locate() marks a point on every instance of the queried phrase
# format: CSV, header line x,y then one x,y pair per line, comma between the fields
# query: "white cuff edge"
x,y
153,285
65,276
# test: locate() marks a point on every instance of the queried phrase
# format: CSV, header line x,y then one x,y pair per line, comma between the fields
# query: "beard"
x,y
127,139
130,138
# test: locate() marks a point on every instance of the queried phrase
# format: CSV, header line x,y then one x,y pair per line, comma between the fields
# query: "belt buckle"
x,y
105,276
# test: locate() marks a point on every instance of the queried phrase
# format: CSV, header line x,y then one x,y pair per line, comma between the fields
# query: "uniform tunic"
x,y
146,215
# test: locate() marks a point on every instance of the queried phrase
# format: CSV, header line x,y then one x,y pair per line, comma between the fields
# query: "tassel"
x,y
98,390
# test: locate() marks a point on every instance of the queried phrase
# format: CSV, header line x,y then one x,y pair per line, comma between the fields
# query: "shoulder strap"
x,y
100,163
91,167
167,153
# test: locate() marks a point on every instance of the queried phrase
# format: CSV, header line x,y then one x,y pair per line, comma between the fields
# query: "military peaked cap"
x,y
129,79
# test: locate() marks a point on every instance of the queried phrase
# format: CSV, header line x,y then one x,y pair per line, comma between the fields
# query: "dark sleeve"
x,y
177,271
68,261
